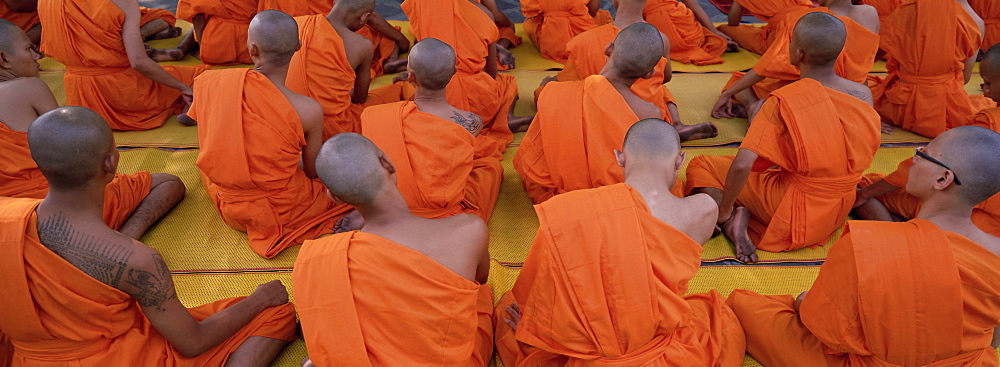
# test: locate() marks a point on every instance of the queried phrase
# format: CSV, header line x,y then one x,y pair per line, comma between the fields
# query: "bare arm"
x,y
996,337
499,17
702,16
41,96
969,65
312,126
723,108
199,25
491,61
735,14
593,7
876,189
363,74
739,171
22,6
382,26
136,49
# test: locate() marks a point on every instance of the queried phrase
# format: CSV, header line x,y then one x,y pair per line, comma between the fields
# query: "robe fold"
x,y
990,12
813,145
251,142
57,315
438,172
604,285
342,293
927,43
889,294
85,35
552,23
224,39
758,39
690,41
25,21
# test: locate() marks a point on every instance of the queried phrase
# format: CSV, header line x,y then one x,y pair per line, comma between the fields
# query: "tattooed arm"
x,y
468,120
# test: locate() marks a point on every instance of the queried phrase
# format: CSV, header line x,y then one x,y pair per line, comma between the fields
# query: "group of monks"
x,y
405,178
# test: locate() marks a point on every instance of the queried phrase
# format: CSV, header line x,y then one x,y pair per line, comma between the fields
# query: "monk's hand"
x,y
887,129
188,95
515,315
723,107
505,57
271,294
860,197
403,44
401,77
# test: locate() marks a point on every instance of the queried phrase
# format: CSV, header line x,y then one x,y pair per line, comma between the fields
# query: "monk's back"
x,y
865,15
469,30
446,241
16,111
924,47
83,32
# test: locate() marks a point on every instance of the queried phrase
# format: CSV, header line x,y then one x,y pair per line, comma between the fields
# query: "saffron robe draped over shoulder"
x,y
690,41
251,142
604,285
57,315
813,145
889,294
224,39
341,292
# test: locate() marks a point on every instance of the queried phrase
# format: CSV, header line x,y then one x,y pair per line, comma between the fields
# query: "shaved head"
x,y
433,63
350,167
70,144
9,34
356,7
275,34
990,67
821,36
638,48
653,139
969,151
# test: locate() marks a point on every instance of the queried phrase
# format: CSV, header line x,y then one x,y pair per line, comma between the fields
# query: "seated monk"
x,y
792,183
552,23
258,150
220,29
132,203
434,144
932,48
577,120
438,269
605,281
693,37
758,39
508,38
155,23
989,70
588,53
920,293
107,67
77,293
774,70
989,11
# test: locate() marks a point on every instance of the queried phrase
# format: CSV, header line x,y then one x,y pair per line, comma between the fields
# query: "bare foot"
x,y
351,222
703,130
506,58
739,111
732,47
887,129
518,124
161,55
735,230
401,77
168,33
394,66
186,120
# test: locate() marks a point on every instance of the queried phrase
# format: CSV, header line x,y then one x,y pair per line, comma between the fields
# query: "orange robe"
x,y
759,39
224,40
552,23
56,315
470,32
854,62
438,172
251,140
25,21
814,143
889,294
85,35
582,122
989,10
341,290
927,43
21,178
604,285
986,215
690,41
6,350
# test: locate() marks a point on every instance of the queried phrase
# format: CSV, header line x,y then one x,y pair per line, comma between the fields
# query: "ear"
x,y
387,164
649,74
4,63
110,164
254,50
944,180
620,158
680,161
609,50
410,76
364,18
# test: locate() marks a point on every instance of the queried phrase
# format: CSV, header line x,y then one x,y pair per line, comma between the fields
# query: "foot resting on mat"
x,y
735,229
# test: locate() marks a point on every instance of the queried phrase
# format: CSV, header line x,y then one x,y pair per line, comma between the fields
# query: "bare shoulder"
x,y
147,279
467,226
307,108
702,206
867,16
26,85
355,44
471,122
854,89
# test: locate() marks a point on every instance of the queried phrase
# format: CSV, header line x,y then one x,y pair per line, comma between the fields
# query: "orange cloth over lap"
x,y
251,142
690,41
552,23
604,285
341,290
889,294
989,10
821,141
224,40
57,315
758,39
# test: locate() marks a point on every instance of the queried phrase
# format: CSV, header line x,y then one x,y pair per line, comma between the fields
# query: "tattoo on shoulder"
x,y
95,256
471,122
153,289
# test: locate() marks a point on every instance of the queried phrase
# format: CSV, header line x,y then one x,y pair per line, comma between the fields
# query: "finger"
x,y
511,324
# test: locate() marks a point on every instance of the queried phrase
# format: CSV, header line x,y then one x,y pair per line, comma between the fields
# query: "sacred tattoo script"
x,y
94,256
472,123
153,289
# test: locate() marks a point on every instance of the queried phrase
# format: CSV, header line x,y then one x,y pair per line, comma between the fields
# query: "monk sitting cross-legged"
x,y
606,277
552,23
433,144
989,11
220,28
578,120
155,24
920,293
693,37
438,296
77,293
132,202
758,39
588,53
259,142
792,183
774,70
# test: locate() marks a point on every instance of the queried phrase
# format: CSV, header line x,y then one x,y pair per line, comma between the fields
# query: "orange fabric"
x,y
990,12
690,42
147,15
224,40
251,139
470,32
85,35
758,39
6,350
821,141
604,285
508,33
383,48
23,20
436,167
57,315
341,290
889,294
552,23
927,43
988,118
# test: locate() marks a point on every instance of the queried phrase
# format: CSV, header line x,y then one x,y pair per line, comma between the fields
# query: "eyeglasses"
x,y
922,153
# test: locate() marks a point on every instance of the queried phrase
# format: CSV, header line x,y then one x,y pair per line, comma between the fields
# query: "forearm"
x,y
735,14
744,83
736,179
224,324
674,114
878,188
996,337
970,65
593,7
491,61
154,72
700,15
382,26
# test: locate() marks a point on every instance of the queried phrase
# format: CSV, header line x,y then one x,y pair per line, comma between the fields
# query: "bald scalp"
x,y
638,48
276,35
70,144
821,37
433,63
9,33
652,138
356,7
990,67
349,166
971,151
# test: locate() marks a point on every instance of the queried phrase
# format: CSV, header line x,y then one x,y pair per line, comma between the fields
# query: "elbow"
x,y
144,67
